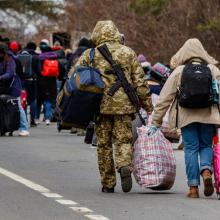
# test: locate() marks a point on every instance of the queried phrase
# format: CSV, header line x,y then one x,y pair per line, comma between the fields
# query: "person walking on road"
x,y
30,81
83,45
12,84
196,122
46,86
117,112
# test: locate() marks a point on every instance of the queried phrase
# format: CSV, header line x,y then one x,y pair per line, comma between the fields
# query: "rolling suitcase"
x,y
10,115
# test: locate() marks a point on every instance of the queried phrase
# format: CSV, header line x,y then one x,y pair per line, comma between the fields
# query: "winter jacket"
x,y
8,73
75,56
105,32
47,87
191,49
62,64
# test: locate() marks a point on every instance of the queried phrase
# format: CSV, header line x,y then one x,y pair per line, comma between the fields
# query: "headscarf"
x,y
192,48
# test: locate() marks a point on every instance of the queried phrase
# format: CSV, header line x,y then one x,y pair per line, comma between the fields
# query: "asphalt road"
x,y
60,163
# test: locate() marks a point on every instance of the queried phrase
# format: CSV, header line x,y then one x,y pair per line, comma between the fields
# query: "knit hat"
x,y
45,41
31,46
141,58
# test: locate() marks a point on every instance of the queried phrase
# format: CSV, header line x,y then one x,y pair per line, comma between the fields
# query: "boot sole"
x,y
208,186
126,180
193,195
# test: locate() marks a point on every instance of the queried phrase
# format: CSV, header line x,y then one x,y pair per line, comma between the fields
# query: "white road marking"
x,y
81,209
52,195
66,202
96,217
23,181
46,192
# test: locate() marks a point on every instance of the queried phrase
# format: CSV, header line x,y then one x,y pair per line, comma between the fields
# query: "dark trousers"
x,y
31,88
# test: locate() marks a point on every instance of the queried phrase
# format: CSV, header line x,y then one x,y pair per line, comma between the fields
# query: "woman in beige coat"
x,y
197,124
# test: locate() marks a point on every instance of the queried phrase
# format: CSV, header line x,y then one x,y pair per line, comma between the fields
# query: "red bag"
x,y
50,68
23,98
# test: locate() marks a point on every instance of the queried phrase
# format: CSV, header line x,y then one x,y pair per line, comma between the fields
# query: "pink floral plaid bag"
x,y
154,163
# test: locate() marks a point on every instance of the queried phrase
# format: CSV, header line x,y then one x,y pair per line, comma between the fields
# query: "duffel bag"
x,y
79,100
10,115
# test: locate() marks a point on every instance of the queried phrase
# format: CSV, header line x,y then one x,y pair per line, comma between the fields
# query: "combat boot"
x,y
126,180
108,190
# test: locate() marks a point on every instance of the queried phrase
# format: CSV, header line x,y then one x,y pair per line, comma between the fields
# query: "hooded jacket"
x,y
192,49
8,73
47,88
105,32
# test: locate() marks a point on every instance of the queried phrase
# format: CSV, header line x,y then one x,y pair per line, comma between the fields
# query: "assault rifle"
x,y
121,81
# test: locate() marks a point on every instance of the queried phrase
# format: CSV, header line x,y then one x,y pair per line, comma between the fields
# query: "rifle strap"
x,y
103,49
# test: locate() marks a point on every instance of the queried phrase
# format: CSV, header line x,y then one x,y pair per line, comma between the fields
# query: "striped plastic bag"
x,y
154,164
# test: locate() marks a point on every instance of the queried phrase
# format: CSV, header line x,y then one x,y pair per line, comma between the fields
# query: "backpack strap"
x,y
199,59
25,52
177,108
91,55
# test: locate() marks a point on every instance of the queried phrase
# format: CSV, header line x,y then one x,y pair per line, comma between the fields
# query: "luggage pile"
x,y
78,102
158,72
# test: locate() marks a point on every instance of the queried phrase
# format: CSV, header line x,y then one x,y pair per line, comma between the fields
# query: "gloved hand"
x,y
152,130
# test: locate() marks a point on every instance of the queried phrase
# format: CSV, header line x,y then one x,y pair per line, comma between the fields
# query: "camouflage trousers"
x,y
117,130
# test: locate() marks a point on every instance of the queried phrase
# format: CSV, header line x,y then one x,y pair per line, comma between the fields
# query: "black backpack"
x,y
19,68
196,86
25,59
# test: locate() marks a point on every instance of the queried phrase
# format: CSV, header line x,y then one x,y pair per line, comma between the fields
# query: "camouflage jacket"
x,y
118,104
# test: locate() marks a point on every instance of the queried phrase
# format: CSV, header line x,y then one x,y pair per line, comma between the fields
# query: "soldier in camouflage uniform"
x,y
117,112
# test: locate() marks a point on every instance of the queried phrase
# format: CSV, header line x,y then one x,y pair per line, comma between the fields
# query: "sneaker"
x,y
24,133
108,190
47,122
37,121
33,124
73,130
81,132
126,180
207,181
